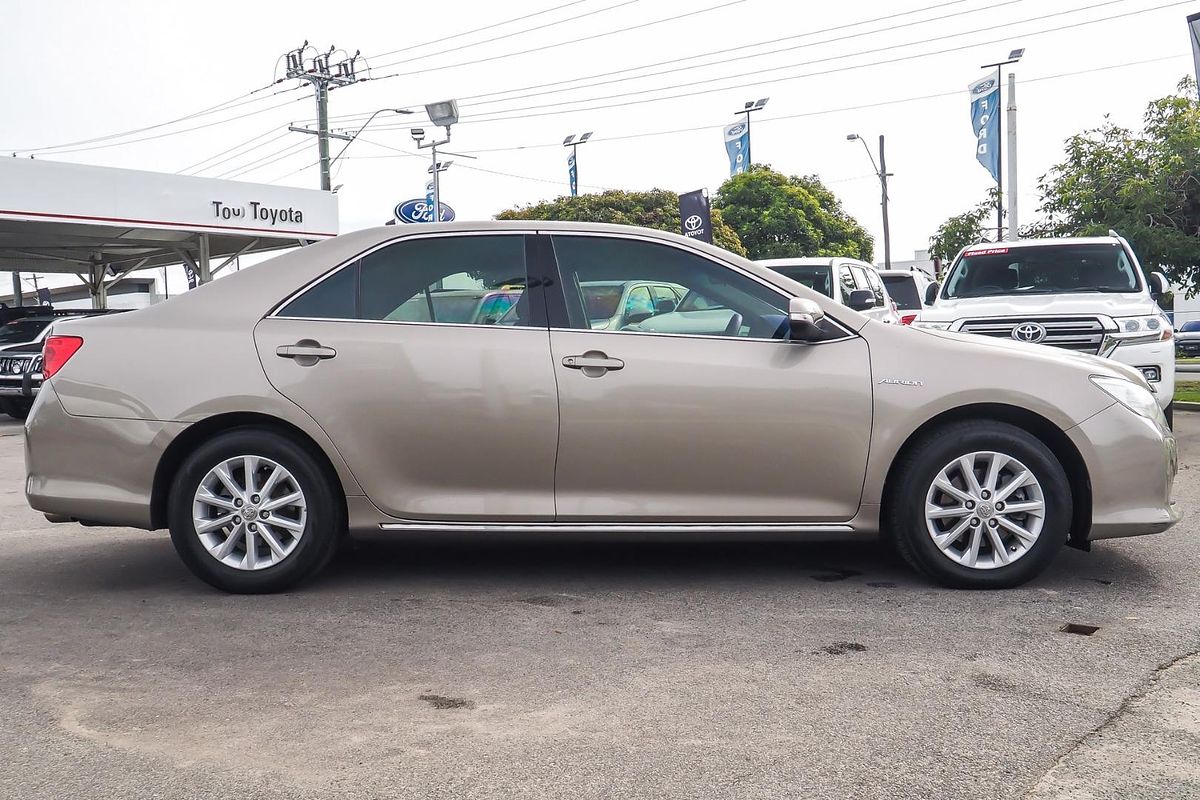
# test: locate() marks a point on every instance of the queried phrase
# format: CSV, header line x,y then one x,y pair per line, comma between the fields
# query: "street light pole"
x,y
751,106
573,163
883,175
1013,57
443,114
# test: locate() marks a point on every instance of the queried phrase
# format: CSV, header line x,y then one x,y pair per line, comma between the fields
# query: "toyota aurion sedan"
x,y
277,410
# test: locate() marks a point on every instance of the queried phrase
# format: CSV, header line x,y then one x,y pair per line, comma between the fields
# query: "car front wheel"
x,y
980,505
252,512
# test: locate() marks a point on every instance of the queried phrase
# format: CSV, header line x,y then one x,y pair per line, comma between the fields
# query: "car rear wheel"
x,y
252,512
980,505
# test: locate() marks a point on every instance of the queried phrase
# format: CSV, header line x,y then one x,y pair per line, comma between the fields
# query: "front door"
x,y
427,362
706,412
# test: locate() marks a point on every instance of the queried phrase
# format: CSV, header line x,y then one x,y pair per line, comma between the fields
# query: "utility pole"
x,y
322,75
1012,157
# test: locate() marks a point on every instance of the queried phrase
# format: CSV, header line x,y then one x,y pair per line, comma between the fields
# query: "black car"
x,y
20,378
1187,339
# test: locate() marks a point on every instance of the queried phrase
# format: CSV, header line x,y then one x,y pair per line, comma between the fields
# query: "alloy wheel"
x,y
249,512
985,510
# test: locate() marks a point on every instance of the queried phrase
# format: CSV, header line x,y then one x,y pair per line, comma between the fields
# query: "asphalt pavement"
x,y
470,667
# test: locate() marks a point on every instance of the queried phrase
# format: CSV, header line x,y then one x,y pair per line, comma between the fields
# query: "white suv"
x,y
1084,294
851,282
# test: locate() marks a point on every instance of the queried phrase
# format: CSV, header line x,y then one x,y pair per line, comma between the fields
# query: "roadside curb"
x,y
1183,405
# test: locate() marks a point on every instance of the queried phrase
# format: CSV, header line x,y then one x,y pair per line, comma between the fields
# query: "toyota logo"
x,y
1030,332
693,223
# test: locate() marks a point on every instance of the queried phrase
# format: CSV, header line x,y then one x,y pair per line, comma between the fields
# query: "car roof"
x,y
812,261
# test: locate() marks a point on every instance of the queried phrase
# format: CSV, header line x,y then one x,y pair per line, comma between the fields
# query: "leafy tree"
x,y
657,208
965,229
1144,184
777,216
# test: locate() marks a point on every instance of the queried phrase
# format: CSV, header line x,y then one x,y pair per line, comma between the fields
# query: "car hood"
x,y
21,349
1109,304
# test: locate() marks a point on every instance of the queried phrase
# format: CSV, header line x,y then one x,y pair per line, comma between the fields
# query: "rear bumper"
x,y
93,470
1132,462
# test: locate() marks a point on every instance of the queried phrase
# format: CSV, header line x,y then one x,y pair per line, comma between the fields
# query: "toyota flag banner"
x,y
737,145
574,173
191,275
695,218
1194,31
985,121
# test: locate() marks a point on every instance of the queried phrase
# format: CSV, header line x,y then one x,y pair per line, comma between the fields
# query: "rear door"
x,y
440,412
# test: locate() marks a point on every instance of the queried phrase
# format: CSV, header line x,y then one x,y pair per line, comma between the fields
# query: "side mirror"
x,y
931,293
804,320
1158,285
861,299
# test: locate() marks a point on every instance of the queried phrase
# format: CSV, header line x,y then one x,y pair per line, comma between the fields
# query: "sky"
x,y
74,70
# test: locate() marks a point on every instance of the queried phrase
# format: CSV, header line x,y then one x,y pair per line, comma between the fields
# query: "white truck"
x,y
1090,295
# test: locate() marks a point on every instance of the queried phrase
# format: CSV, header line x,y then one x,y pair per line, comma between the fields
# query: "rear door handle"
x,y
592,361
311,352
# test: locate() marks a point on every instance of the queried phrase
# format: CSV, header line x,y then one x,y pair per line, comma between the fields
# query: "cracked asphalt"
x,y
467,667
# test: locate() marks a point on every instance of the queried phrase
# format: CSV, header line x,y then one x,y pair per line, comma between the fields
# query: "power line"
x,y
176,133
247,151
805,35
758,84
553,45
237,146
288,151
225,106
510,35
480,29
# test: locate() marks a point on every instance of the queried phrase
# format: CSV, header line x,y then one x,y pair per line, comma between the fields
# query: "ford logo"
x,y
1030,332
419,210
736,130
985,86
693,223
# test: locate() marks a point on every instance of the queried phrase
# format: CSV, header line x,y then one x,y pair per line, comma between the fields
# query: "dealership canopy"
x,y
102,224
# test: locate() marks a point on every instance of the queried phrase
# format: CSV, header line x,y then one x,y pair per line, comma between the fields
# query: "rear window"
x,y
817,278
903,290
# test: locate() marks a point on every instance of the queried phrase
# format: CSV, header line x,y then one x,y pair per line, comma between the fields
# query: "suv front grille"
x,y
1082,334
12,366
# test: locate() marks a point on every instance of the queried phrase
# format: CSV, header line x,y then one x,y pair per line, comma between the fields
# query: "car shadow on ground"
x,y
99,564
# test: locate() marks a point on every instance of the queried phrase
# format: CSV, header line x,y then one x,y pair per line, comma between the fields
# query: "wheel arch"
x,y
1046,431
199,432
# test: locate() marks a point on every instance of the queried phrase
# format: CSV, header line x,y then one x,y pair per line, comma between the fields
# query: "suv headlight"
x,y
1152,326
1136,398
933,326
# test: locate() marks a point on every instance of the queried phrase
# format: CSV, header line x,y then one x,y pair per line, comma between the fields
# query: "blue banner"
x,y
429,201
737,145
985,121
574,173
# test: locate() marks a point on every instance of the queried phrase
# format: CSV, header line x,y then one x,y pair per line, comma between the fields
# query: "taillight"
x,y
57,351
907,319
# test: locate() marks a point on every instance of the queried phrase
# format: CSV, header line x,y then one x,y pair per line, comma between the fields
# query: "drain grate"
x,y
1081,630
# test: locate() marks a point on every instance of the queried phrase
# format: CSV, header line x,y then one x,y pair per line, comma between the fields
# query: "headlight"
x,y
1134,397
933,326
1153,326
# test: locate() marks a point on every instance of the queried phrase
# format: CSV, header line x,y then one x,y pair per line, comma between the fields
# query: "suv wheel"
x,y
980,505
250,512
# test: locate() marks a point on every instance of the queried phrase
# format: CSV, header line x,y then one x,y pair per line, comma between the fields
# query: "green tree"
x,y
965,229
777,216
657,208
1143,184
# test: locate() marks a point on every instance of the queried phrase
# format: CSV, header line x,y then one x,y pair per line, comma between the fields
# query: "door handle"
x,y
592,361
305,352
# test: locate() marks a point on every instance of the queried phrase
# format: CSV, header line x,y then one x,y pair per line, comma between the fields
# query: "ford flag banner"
x,y
985,121
574,173
737,145
429,201
1194,31
695,218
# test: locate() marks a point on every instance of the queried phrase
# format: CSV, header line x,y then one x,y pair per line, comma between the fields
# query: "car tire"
x,y
925,521
291,541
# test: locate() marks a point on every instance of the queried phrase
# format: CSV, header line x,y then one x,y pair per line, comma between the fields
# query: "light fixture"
x,y
571,140
444,113
1015,55
418,134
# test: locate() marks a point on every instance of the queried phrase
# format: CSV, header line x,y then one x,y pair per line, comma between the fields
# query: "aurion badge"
x,y
1030,332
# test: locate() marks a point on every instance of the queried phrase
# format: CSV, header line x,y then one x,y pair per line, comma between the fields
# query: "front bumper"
x,y
1132,462
27,386
111,488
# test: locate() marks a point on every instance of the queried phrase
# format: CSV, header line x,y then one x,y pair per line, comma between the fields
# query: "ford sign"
x,y
419,210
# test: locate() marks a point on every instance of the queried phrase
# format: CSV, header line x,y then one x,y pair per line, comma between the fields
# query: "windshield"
x,y
817,278
903,289
1189,327
1049,269
22,330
